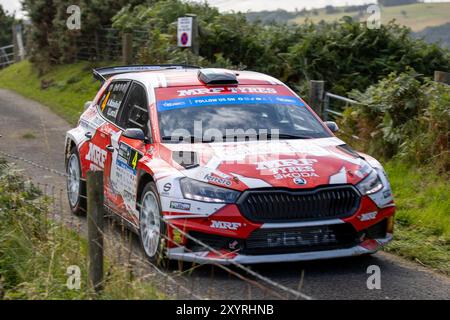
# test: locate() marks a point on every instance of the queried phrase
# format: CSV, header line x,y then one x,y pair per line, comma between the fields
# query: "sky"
x,y
243,5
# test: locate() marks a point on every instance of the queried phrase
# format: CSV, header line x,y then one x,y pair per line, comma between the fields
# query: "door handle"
x,y
88,135
110,148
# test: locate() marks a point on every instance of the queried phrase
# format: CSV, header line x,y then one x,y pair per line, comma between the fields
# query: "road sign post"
x,y
187,33
316,95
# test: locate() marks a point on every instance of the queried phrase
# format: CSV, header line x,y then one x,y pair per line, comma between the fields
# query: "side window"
x,y
135,111
112,99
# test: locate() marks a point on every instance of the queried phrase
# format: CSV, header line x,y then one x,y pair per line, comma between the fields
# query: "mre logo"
x,y
225,225
97,156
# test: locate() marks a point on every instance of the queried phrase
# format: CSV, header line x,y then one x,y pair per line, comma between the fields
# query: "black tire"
x,y
160,257
79,207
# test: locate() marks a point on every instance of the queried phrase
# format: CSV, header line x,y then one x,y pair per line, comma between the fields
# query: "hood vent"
x,y
347,149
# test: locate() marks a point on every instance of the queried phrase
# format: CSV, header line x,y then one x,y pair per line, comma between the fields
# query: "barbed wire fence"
x,y
122,248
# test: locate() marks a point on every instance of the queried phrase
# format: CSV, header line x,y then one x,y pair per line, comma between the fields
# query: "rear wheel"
x,y
76,188
151,227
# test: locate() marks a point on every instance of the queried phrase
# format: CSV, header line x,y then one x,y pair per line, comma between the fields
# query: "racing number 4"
x,y
135,160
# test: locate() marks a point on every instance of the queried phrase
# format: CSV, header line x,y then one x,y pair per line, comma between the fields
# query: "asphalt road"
x,y
29,130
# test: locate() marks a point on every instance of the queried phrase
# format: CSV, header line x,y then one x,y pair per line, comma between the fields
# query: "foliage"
x,y
35,251
406,116
422,230
346,54
51,41
6,24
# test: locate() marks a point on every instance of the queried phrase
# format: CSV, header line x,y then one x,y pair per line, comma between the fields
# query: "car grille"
x,y
299,205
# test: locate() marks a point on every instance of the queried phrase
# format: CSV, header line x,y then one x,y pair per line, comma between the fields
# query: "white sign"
x,y
184,32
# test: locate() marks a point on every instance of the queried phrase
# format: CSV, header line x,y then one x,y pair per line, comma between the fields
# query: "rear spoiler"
x,y
102,74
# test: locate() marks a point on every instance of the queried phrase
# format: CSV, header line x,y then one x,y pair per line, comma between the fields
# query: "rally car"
x,y
216,166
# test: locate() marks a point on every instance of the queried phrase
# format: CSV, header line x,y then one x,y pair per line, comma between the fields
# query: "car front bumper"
x,y
207,257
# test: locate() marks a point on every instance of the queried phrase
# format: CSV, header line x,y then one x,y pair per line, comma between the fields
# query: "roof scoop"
x,y
212,76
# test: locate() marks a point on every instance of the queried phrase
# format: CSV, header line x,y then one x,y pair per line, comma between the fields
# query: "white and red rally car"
x,y
213,165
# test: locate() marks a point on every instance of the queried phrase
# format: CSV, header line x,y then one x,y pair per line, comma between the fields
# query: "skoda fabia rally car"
x,y
215,166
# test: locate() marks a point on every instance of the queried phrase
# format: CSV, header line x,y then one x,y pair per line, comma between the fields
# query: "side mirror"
x,y
332,126
134,133
87,105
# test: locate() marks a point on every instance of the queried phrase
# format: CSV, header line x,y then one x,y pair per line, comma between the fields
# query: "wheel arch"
x,y
70,144
144,178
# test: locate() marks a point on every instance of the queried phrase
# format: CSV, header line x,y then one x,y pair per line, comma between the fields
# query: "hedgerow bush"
x,y
405,116
346,54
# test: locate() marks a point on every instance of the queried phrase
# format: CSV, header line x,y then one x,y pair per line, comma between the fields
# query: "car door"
x,y
110,105
123,175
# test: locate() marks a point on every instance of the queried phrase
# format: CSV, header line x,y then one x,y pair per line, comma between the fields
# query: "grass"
x,y
67,87
28,135
35,252
416,16
423,215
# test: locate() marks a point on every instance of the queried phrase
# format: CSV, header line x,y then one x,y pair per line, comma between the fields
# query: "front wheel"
x,y
76,188
151,227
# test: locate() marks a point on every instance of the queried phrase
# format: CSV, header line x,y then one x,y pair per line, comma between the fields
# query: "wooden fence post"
x,y
195,34
316,94
95,228
440,76
127,48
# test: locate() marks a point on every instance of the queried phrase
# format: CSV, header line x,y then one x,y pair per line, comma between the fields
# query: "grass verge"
x,y
64,89
36,252
423,215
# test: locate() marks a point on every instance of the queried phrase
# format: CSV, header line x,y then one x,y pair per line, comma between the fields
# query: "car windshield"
x,y
215,123
235,117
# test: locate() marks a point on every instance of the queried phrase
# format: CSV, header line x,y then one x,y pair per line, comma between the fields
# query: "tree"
x,y
6,23
51,41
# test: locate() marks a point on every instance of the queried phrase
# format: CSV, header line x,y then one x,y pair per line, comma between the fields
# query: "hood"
x,y
261,164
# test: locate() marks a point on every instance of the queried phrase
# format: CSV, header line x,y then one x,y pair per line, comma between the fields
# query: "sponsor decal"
x,y
167,187
225,225
112,113
165,105
368,216
299,181
203,91
180,205
288,168
96,156
217,180
177,236
295,238
128,157
105,101
387,194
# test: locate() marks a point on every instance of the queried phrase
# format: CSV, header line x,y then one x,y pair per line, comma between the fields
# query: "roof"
x,y
188,77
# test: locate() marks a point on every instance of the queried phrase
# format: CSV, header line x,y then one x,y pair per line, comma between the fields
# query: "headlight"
x,y
370,184
200,191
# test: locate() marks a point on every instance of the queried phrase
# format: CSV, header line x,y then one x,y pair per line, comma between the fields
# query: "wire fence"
x,y
184,281
6,56
104,44
107,44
